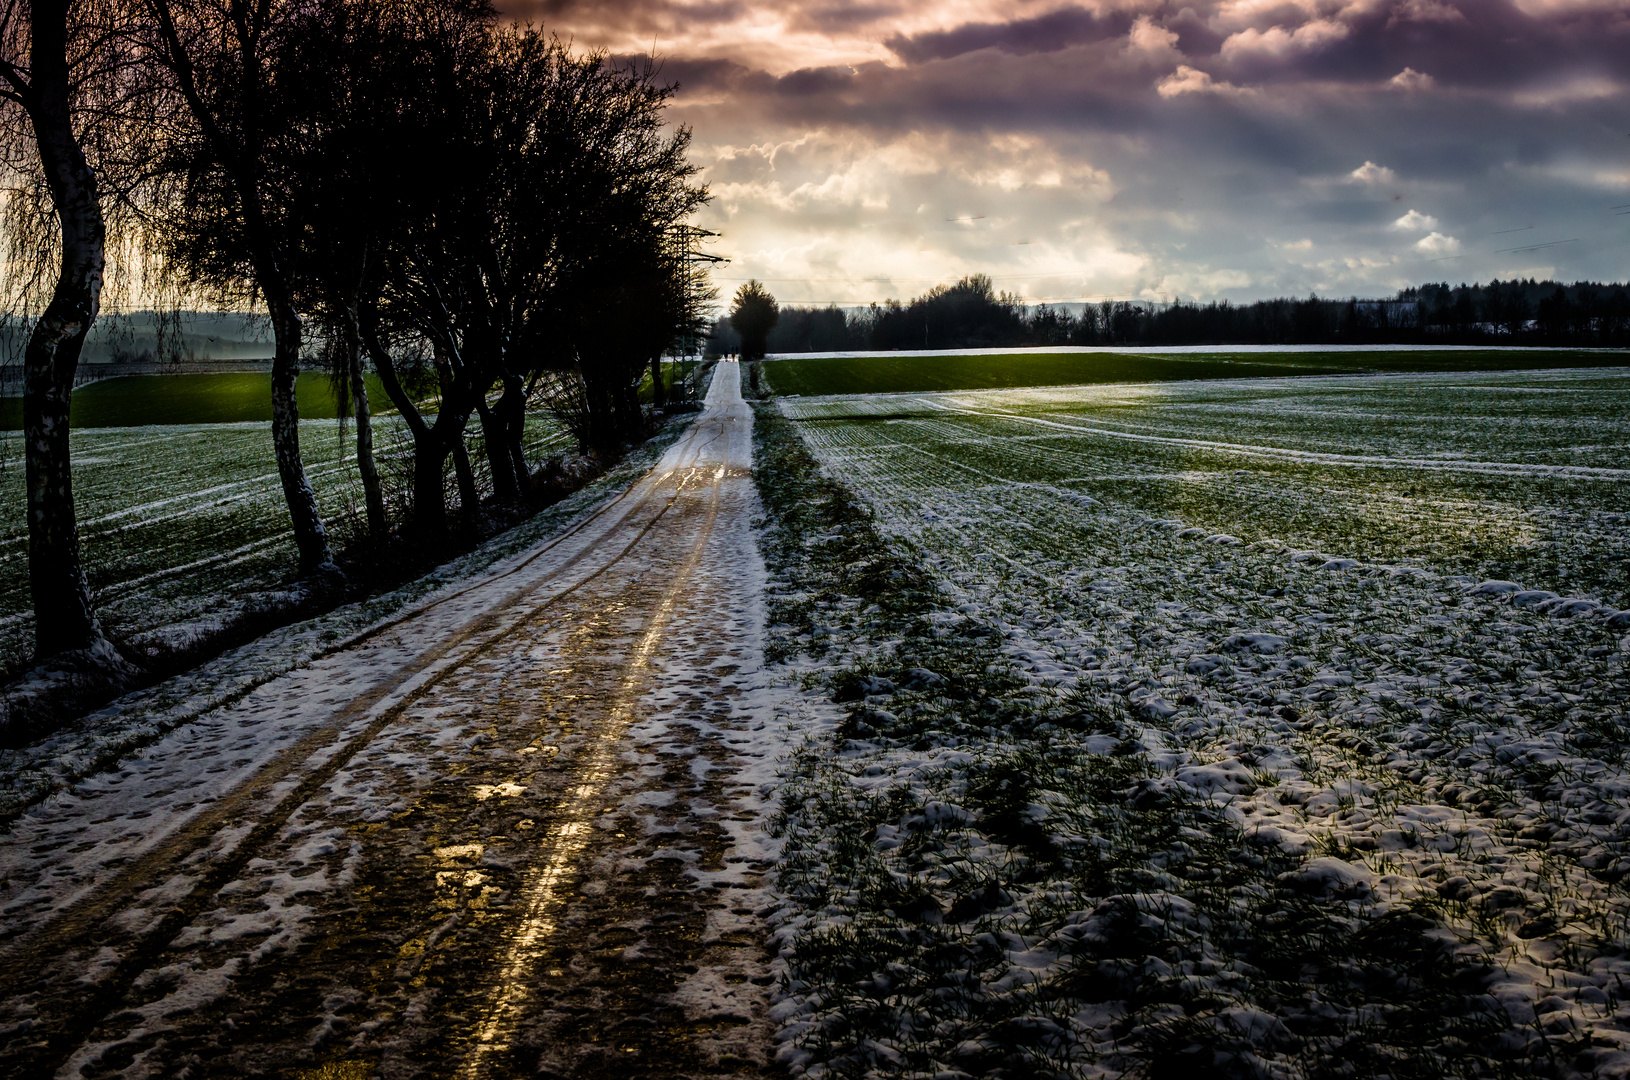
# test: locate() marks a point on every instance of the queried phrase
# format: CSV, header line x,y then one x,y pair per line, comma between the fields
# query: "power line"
x,y
1537,247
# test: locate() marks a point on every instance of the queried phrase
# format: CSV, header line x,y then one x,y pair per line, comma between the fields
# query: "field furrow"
x,y
1404,677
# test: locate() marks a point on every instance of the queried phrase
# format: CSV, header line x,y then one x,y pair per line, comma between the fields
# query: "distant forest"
x,y
972,314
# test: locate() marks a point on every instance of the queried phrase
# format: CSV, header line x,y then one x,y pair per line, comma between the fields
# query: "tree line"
x,y
972,314
488,219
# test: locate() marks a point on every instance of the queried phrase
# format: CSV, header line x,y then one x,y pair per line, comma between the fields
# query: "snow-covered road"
x,y
519,828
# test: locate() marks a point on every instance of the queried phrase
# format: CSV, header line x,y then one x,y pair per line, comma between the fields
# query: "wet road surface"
x,y
519,831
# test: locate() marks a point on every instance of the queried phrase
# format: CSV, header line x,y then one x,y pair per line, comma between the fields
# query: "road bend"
x,y
517,830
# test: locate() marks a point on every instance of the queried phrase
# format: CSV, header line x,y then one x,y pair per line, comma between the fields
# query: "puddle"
x,y
446,879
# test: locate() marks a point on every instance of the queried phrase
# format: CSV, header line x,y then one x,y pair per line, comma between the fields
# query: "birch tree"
x,y
61,70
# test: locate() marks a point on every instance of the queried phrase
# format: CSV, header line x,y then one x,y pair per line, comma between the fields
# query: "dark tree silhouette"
x,y
971,314
62,63
333,85
587,264
220,222
632,307
350,81
753,314
532,244
413,295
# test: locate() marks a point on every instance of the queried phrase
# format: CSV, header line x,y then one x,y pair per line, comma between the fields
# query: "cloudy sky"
x,y
862,149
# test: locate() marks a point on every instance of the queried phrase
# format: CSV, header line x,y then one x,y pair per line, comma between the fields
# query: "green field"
x,y
673,371
911,373
228,398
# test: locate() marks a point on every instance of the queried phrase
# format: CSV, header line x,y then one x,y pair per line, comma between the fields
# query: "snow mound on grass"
x,y
1335,878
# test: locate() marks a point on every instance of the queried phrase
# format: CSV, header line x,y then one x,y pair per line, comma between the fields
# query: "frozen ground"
x,y
516,827
1267,728
184,527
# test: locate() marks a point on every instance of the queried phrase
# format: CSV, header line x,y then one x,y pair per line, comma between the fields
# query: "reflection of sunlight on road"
x,y
566,839
338,1070
508,788
429,707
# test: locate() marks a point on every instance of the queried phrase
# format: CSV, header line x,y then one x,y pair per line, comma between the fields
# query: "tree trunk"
x,y
429,494
63,617
469,499
604,407
310,538
451,416
627,403
429,497
636,415
371,491
659,394
505,487
511,409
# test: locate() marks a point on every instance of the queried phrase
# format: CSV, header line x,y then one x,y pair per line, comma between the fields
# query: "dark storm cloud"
x,y
1045,33
1023,79
1213,148
991,89
805,95
702,76
593,17
842,16
1487,45
1195,36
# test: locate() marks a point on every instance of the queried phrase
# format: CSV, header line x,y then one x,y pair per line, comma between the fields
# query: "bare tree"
x,y
614,206
532,240
217,57
61,64
339,84
428,155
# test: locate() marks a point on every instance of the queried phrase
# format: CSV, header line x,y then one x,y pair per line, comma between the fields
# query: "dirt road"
x,y
517,831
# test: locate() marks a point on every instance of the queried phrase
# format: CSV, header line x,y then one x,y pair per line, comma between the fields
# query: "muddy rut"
x,y
518,831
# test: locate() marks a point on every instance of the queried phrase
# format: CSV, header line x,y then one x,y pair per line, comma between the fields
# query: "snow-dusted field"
x,y
506,822
184,526
1269,727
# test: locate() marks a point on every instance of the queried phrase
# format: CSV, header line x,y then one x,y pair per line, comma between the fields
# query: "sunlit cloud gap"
x,y
1215,149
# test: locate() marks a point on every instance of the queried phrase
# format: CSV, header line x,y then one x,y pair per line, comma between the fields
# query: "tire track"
x,y
569,835
379,706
